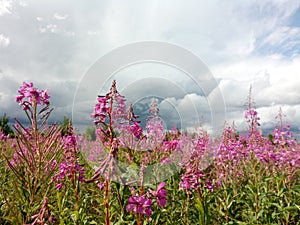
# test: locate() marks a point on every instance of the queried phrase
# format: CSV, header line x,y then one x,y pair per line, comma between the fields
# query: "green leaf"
x,y
292,208
199,206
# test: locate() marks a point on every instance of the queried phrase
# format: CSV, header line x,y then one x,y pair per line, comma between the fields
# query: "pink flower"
x,y
252,118
119,111
67,170
3,137
100,184
139,205
100,110
70,141
160,194
209,185
59,186
136,129
28,95
190,180
170,146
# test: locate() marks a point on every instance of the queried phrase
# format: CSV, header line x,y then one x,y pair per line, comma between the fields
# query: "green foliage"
x,y
4,126
90,133
258,198
65,126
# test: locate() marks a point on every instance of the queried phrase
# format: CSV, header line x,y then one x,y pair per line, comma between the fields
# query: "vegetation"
x,y
131,175
4,126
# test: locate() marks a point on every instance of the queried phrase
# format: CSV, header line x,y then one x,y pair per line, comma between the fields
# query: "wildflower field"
x,y
144,175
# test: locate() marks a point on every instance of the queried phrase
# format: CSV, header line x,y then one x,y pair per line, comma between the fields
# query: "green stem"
x,y
186,208
77,200
106,202
120,201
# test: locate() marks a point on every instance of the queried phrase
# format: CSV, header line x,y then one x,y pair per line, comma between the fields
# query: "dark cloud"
x,y
54,43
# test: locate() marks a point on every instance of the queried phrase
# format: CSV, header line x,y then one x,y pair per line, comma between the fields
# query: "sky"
x,y
243,43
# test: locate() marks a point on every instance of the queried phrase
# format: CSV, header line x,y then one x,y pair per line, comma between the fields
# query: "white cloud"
x,y
282,34
190,110
275,83
60,17
215,30
51,28
243,42
5,7
23,3
93,32
290,116
284,40
4,41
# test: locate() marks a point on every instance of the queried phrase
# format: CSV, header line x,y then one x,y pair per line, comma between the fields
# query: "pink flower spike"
x,y
28,95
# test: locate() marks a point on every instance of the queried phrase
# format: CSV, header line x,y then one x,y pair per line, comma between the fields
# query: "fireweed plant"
x,y
124,141
32,158
136,175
